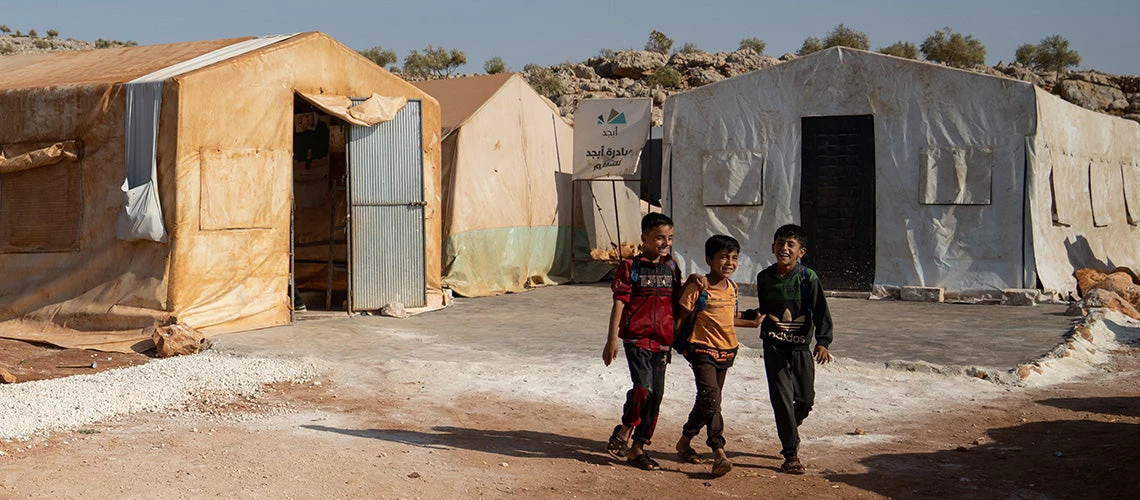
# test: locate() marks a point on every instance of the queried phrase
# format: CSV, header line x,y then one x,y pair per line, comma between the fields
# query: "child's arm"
x,y
747,318
823,326
610,351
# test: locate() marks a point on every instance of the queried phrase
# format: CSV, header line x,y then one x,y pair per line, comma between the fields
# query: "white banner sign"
x,y
609,135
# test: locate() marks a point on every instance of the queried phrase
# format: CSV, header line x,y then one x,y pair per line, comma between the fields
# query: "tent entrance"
x,y
837,199
319,241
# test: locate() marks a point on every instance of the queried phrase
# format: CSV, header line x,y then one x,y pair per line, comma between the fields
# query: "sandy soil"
x,y
1080,439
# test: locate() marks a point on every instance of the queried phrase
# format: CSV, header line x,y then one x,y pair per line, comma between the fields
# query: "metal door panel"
x,y
386,216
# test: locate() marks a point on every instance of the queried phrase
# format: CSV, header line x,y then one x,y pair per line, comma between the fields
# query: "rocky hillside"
x,y
639,73
14,45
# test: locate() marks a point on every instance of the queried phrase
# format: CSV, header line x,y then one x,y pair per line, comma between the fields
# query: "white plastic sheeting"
x,y
952,138
141,218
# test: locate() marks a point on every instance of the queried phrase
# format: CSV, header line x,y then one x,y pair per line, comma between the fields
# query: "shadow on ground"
x,y
1114,406
1049,459
519,443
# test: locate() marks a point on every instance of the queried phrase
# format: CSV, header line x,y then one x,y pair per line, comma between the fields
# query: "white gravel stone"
x,y
40,407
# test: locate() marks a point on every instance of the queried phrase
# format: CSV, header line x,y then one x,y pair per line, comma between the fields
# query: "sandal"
x,y
643,462
617,447
721,467
690,455
792,465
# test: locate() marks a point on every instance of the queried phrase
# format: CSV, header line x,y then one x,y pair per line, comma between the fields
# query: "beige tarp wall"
x,y
508,195
224,164
1084,192
84,279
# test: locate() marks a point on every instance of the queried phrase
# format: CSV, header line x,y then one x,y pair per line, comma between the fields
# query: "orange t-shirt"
x,y
714,325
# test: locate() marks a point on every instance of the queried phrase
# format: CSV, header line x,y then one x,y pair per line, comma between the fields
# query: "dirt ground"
x,y
322,440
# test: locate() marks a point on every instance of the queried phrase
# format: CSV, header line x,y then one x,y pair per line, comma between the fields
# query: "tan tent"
x,y
506,185
155,184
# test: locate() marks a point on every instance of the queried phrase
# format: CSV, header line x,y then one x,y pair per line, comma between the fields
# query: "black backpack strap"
x,y
805,293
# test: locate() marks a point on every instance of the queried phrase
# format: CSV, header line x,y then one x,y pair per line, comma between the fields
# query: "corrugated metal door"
x,y
386,212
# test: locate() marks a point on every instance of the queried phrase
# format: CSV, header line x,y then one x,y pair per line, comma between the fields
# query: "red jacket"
x,y
649,298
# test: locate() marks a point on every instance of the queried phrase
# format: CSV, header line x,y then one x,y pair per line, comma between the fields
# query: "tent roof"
x,y
459,98
99,66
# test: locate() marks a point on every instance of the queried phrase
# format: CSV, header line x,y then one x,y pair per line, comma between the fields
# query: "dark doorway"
x,y
837,199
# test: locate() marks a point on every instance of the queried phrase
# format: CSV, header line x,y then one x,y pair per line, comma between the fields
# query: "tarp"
x,y
506,186
609,135
225,188
1082,192
12,162
937,222
375,109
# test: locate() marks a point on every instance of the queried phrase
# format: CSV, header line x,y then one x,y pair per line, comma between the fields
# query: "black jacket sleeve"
x,y
821,316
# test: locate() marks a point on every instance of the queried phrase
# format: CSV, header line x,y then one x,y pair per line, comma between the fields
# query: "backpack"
x,y
685,329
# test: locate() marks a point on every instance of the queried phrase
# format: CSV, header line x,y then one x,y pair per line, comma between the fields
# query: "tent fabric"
x,y
226,267
920,110
507,186
37,157
1082,172
981,182
142,214
376,109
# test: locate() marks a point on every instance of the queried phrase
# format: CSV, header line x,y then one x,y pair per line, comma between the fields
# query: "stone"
x,y
584,72
692,59
1093,77
1018,297
178,340
788,56
394,310
1088,278
659,97
885,292
6,377
1118,105
1099,297
703,76
922,294
635,63
1089,95
1117,282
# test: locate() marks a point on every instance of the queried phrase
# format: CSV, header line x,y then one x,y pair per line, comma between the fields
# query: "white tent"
x,y
903,173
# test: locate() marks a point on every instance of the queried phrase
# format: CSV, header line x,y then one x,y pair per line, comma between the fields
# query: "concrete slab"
x,y
555,321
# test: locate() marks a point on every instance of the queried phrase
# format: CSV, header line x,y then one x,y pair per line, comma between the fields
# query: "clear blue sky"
x,y
547,32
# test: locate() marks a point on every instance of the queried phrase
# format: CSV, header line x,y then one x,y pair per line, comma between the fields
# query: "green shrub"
x,y
6,49
42,44
953,49
433,62
659,43
544,81
811,44
381,56
900,49
690,48
1051,54
52,33
665,76
842,36
33,34
757,45
5,29
495,65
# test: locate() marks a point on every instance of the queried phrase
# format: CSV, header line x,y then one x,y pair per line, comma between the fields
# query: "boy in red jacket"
x,y
646,289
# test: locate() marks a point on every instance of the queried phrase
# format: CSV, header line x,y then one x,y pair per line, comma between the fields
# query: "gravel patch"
x,y
40,407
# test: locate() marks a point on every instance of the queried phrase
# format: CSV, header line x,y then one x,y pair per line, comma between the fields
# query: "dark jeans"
x,y
643,401
706,409
791,387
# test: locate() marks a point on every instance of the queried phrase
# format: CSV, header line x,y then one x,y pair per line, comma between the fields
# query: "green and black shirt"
x,y
783,315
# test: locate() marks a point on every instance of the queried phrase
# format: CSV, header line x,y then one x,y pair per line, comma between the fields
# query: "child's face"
x,y
723,264
787,251
657,242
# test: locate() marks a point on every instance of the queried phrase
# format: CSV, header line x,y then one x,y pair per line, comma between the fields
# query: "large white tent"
x,y
903,173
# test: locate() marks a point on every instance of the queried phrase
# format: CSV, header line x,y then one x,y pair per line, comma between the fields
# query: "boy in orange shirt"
x,y
711,305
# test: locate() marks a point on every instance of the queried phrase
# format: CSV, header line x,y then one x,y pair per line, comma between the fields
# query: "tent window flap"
x,y
955,176
732,178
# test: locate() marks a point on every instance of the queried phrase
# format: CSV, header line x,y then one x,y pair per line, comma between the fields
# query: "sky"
x,y
548,32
